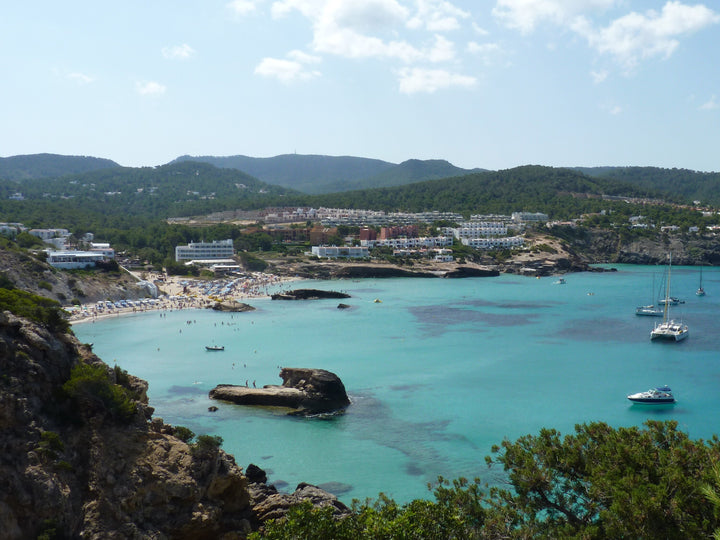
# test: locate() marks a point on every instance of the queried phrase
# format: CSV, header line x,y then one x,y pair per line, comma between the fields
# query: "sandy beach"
x,y
178,293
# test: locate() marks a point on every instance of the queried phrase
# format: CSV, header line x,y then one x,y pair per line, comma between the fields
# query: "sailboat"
x,y
700,291
649,310
669,329
666,298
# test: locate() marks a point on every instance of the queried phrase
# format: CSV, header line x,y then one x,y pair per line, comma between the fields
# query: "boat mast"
x,y
667,292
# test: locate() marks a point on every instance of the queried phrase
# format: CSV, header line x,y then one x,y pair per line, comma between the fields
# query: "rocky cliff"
x,y
81,455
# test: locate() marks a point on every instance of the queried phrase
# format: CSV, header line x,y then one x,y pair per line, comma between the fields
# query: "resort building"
x,y
410,243
507,242
529,216
104,248
218,249
48,234
74,259
335,252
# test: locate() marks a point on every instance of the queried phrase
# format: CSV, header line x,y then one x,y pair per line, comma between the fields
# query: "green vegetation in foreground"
x,y
598,483
41,310
91,388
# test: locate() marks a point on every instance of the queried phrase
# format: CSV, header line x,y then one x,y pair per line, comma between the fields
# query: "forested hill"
x,y
407,172
681,183
529,188
181,189
306,173
49,166
315,174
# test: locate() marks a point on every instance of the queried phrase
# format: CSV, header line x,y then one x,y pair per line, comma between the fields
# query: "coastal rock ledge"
x,y
306,391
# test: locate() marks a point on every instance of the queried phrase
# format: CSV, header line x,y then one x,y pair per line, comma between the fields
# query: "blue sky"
x,y
491,84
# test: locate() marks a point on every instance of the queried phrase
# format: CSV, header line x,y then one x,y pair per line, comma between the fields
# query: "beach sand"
x,y
178,293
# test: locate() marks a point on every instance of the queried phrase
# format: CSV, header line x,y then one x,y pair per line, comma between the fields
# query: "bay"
x,y
438,370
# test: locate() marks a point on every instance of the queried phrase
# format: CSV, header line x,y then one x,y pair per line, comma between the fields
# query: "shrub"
x,y
184,434
45,285
91,386
50,444
36,308
206,445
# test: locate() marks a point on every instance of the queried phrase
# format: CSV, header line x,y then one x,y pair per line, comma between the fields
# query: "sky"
x,y
490,84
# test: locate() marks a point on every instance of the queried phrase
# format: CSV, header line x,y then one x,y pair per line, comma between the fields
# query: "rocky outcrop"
x,y
308,294
71,468
470,271
305,391
232,306
268,503
68,465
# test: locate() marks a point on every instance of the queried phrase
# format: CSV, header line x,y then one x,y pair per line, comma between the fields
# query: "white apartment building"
x,y
104,248
410,243
49,234
74,259
218,249
529,216
334,252
477,229
492,243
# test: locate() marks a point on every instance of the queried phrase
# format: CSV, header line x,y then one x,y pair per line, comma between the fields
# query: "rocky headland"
x,y
305,391
308,294
231,306
81,455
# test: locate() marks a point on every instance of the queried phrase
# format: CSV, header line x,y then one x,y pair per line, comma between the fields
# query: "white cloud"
x,y
437,16
414,80
442,51
287,71
243,7
710,105
304,58
525,15
367,29
479,30
149,88
612,109
80,78
637,36
599,76
178,52
485,48
629,39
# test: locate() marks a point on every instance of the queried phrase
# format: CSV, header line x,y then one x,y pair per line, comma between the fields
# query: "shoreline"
x,y
181,293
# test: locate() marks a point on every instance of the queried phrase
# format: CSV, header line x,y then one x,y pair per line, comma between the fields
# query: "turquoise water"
x,y
438,372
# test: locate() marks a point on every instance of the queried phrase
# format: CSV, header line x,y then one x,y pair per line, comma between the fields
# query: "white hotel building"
x,y
334,252
218,249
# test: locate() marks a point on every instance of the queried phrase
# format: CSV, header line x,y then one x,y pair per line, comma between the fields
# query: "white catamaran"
x,y
669,329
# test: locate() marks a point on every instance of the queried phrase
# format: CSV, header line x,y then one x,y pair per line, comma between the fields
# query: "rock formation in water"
x,y
306,391
232,306
82,457
308,294
271,504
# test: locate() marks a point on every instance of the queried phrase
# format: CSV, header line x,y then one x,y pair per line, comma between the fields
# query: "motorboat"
x,y
214,347
671,301
659,395
649,311
560,281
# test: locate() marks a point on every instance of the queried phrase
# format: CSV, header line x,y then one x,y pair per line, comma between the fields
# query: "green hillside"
x,y
679,184
180,189
49,166
307,173
528,188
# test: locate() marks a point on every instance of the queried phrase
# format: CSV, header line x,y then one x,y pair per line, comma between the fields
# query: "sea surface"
x,y
438,370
